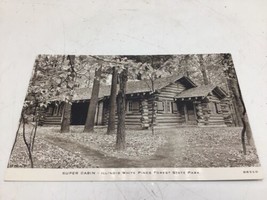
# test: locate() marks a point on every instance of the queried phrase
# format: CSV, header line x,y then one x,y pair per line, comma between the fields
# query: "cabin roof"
x,y
134,87
202,91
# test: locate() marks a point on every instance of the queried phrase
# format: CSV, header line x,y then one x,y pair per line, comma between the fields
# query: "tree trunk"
x,y
120,141
243,139
28,144
203,70
112,106
233,112
185,65
245,120
90,119
34,134
66,119
65,124
237,111
246,131
239,103
234,109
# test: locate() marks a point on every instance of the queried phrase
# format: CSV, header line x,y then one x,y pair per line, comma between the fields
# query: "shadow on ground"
x,y
162,158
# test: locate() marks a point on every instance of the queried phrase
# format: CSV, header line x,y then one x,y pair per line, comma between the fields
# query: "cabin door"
x,y
190,114
79,113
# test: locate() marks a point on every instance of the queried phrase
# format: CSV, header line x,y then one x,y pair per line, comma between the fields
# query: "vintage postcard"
x,y
133,117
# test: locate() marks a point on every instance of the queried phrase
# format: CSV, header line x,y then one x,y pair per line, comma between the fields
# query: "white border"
x,y
134,174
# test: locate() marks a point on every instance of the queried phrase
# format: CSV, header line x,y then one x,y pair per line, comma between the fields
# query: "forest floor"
x,y
181,147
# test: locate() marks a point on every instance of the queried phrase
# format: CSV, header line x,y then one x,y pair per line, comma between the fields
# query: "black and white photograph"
x,y
133,100
133,111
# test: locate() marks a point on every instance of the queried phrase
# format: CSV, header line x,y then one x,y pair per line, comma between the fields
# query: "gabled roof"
x,y
134,87
202,91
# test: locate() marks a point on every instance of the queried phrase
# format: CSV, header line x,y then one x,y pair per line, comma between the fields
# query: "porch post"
x,y
144,114
185,113
100,113
199,113
206,112
96,113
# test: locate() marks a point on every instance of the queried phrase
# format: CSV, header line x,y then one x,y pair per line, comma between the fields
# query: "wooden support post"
x,y
185,113
100,113
199,114
144,114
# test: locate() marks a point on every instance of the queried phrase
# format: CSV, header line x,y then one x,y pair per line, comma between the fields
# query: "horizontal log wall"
x,y
212,118
131,118
173,118
172,90
54,117
226,110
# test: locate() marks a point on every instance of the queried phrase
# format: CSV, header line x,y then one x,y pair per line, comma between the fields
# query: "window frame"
x,y
215,107
163,107
130,106
166,106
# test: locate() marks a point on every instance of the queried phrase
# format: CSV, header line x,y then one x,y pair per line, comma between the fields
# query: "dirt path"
x,y
96,157
169,154
165,156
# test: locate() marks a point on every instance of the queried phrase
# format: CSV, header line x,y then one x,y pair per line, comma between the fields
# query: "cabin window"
x,y
130,106
160,106
215,108
218,107
169,107
174,107
165,106
133,106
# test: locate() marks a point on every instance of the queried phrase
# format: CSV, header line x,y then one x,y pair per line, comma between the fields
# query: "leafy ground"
x,y
211,147
45,154
183,147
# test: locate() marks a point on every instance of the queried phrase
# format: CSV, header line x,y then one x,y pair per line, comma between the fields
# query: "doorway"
x,y
79,113
190,113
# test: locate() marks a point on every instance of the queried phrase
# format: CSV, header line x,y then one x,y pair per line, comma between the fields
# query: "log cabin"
x,y
178,102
